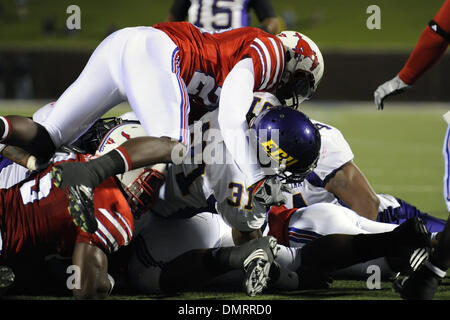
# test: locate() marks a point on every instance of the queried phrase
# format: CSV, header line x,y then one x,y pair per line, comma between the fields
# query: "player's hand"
x,y
269,192
391,87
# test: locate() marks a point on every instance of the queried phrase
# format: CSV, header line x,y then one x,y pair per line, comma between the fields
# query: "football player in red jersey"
x,y
155,69
34,215
432,44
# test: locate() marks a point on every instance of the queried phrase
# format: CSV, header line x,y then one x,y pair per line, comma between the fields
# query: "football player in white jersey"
x,y
219,15
151,253
337,179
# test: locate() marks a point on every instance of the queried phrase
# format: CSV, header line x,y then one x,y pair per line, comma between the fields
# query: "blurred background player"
x,y
432,44
219,15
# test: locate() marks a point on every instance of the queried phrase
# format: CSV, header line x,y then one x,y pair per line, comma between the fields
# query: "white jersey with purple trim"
x,y
446,155
334,153
210,180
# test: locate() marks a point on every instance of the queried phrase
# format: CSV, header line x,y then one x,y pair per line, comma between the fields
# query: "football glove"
x,y
389,88
269,192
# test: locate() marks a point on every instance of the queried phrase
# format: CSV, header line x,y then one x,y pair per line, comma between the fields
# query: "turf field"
x,y
398,149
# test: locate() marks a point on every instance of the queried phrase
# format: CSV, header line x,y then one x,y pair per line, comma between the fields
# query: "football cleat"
x,y
81,203
409,260
7,278
256,276
410,246
259,255
412,233
420,285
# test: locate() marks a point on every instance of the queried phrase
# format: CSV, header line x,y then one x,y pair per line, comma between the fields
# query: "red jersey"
x,y
279,223
34,213
206,58
432,44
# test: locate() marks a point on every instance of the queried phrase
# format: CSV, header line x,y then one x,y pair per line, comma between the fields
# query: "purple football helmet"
x,y
291,141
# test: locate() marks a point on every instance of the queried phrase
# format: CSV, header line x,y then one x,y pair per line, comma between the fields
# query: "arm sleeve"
x,y
179,9
431,46
235,100
263,9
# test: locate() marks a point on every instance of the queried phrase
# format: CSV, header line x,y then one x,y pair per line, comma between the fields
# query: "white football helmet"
x,y
303,70
140,185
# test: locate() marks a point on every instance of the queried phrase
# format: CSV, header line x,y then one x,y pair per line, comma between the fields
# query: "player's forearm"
x,y
427,52
235,100
351,186
93,264
17,155
431,46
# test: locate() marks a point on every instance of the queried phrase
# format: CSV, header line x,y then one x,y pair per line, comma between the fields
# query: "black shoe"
x,y
409,260
6,279
412,232
76,183
256,257
420,285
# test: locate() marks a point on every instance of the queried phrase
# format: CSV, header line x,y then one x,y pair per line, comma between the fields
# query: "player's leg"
x,y
424,282
178,255
337,251
151,78
397,211
337,237
196,268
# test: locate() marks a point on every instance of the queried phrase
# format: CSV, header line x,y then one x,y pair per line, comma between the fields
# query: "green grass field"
x,y
398,149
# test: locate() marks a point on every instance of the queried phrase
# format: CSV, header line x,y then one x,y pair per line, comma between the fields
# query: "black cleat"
x,y
81,201
411,234
420,285
7,278
256,257
408,261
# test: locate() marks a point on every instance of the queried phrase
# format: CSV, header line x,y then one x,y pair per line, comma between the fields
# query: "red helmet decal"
x,y
110,141
126,135
303,48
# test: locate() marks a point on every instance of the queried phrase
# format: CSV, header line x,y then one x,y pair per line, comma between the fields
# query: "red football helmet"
x,y
304,68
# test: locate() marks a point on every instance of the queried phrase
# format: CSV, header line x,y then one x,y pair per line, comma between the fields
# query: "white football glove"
x,y
391,87
269,193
